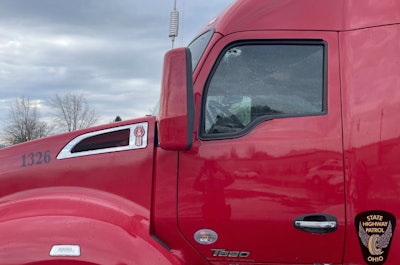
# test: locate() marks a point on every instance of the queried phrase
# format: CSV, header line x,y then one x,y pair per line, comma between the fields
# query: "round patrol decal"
x,y
375,230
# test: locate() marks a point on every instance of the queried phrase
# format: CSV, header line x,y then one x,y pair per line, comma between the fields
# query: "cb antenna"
x,y
173,24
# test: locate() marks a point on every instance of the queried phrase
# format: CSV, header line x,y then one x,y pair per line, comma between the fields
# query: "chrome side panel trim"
x,y
137,140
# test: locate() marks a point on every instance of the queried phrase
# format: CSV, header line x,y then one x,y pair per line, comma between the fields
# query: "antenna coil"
x,y
173,24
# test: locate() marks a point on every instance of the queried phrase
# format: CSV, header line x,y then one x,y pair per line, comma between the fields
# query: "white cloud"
x,y
112,51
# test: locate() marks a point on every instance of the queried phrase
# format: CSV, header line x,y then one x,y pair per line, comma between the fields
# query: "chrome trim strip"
x,y
66,151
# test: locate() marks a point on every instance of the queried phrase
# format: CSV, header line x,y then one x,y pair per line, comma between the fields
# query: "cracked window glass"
x,y
257,82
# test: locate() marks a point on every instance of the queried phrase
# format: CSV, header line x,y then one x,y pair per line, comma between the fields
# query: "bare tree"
x,y
73,112
24,124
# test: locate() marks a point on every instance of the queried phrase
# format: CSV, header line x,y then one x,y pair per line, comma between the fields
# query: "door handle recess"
x,y
316,223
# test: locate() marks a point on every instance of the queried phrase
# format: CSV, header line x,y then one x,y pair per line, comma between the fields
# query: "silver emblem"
x,y
65,251
205,236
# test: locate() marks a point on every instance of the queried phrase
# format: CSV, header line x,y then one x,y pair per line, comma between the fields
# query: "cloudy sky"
x,y
110,50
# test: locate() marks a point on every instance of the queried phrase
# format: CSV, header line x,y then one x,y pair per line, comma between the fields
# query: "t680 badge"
x,y
375,230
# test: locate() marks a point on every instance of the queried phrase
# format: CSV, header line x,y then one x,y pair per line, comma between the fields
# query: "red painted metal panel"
x,y
164,211
250,189
335,15
371,79
29,241
126,173
100,202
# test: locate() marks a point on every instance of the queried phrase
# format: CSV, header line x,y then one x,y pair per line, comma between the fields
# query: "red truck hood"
x,y
114,158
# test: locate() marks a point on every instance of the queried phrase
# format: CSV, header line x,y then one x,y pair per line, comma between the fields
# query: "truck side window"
x,y
257,81
198,46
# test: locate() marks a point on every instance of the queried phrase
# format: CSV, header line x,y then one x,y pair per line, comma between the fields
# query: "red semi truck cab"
x,y
277,142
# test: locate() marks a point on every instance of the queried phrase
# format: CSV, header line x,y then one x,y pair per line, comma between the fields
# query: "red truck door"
x,y
264,180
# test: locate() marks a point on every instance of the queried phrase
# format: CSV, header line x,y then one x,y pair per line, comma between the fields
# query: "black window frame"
x,y
249,127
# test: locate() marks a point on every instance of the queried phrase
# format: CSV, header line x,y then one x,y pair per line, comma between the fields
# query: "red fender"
x,y
84,226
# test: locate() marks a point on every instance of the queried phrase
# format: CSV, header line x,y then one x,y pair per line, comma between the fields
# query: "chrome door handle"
x,y
312,224
316,223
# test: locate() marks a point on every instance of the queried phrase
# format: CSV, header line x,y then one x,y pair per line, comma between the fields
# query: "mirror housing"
x,y
176,117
